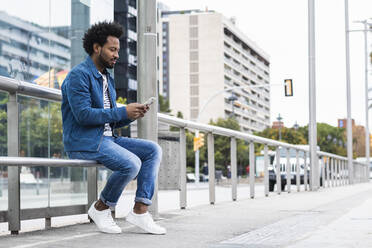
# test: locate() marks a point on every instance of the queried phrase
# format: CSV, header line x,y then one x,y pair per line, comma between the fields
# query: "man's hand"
x,y
136,110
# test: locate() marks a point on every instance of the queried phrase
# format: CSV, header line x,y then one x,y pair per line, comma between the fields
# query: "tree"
x,y
329,139
163,105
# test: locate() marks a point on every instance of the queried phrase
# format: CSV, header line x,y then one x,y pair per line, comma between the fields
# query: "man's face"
x,y
109,53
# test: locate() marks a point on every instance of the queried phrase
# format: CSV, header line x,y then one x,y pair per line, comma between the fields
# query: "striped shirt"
x,y
106,104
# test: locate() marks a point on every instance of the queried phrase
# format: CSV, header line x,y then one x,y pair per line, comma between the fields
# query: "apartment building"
x,y
203,54
27,51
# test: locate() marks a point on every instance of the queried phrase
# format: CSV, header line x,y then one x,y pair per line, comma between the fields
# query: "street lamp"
x,y
296,126
279,118
367,27
232,99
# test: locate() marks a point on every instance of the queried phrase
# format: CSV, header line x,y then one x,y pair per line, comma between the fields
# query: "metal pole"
x,y
252,170
197,161
323,171
278,174
366,88
348,96
266,170
288,171
298,179
314,168
234,179
183,191
14,201
147,75
211,169
305,171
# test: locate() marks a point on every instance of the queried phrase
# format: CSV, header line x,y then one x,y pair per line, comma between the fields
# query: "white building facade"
x,y
204,53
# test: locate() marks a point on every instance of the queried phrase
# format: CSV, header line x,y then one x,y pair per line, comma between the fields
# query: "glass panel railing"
x,y
3,151
3,188
40,46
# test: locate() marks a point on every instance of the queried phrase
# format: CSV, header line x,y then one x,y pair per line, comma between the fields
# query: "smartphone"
x,y
150,101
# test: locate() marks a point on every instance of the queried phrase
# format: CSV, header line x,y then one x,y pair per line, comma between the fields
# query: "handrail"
x,y
28,89
24,88
50,162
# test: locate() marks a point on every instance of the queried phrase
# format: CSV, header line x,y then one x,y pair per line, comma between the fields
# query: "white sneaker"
x,y
103,220
145,222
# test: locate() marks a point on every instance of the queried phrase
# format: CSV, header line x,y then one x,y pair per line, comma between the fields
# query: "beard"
x,y
104,62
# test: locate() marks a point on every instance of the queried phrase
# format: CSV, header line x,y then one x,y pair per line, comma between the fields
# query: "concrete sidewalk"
x,y
332,217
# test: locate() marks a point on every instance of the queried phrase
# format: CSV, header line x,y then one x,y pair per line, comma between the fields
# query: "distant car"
x,y
293,169
190,177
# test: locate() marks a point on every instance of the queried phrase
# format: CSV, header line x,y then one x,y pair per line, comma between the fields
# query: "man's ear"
x,y
97,48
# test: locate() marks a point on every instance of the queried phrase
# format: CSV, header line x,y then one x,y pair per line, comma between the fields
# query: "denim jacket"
x,y
83,115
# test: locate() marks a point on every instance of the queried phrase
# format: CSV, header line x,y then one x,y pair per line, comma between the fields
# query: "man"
x,y
90,115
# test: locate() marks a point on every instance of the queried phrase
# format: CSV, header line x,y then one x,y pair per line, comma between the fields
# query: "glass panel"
x,y
3,151
39,43
3,124
3,188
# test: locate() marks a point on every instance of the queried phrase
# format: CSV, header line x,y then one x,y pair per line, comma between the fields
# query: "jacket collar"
x,y
93,68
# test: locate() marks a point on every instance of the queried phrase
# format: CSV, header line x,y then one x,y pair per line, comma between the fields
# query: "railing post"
x,y
234,179
328,171
323,163
211,169
252,170
305,171
278,175
183,189
346,173
343,173
14,200
298,179
288,170
333,172
92,185
367,173
266,170
338,172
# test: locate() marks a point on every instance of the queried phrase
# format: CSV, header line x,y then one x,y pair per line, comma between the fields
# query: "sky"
x,y
280,28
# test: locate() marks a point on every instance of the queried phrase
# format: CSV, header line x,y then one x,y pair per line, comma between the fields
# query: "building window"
x,y
194,32
194,90
194,113
194,55
194,67
194,101
193,44
193,20
194,79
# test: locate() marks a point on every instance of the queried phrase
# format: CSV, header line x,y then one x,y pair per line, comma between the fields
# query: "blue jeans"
x,y
128,158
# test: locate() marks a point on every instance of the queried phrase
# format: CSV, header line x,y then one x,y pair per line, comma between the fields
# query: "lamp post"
x,y
279,118
366,29
296,126
349,124
232,99
197,162
348,96
314,169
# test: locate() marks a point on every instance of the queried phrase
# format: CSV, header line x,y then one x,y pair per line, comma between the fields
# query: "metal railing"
x,y
334,168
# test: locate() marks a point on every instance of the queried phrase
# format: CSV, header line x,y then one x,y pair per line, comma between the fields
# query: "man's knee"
x,y
134,166
156,150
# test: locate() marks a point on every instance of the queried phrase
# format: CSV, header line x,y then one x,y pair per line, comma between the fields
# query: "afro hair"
x,y
99,32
